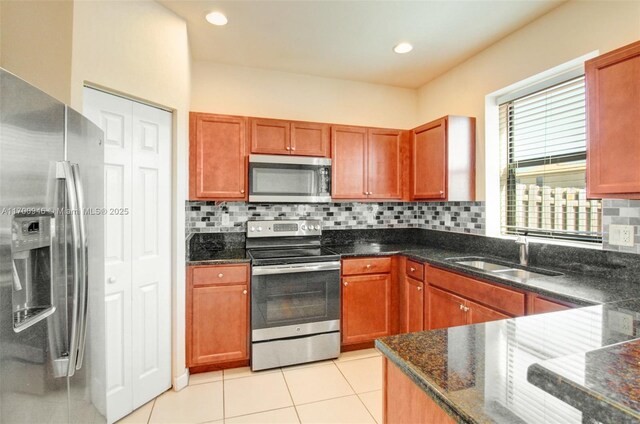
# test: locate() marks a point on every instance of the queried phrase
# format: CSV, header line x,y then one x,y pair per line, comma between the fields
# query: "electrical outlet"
x,y
225,219
621,235
621,322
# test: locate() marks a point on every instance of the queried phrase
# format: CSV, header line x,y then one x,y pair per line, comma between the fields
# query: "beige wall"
x,y
566,33
35,38
227,89
140,49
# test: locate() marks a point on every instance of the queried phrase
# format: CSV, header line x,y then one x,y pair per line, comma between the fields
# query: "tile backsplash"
x,y
463,217
621,212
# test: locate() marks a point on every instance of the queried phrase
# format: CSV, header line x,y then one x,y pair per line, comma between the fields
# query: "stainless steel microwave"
x,y
289,179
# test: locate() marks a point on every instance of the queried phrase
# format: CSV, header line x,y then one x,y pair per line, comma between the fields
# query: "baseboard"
x,y
181,381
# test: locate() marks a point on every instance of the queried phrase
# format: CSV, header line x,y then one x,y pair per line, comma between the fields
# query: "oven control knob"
x,y
298,329
317,227
303,227
252,229
259,228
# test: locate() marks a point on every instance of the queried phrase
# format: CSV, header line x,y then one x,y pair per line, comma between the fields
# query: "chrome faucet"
x,y
524,249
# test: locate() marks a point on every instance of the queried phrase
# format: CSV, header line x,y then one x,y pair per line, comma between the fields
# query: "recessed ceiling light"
x,y
217,18
403,48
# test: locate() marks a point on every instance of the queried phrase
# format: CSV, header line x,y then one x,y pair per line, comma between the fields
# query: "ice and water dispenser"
x,y
32,260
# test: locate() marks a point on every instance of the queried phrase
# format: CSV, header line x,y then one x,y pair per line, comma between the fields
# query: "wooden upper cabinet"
x,y
277,137
366,308
384,164
217,157
270,136
349,169
443,160
613,122
367,163
310,139
430,160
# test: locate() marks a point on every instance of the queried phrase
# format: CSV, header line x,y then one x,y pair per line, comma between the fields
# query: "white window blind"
x,y
543,162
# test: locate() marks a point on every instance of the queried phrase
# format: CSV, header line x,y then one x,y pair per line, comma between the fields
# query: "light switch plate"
x,y
621,235
621,322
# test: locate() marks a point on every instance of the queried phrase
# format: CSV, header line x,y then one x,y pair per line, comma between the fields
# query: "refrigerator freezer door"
x,y
31,143
88,384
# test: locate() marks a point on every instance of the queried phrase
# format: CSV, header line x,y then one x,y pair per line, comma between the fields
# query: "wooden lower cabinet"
x,y
413,305
366,307
539,305
217,321
479,314
445,309
404,402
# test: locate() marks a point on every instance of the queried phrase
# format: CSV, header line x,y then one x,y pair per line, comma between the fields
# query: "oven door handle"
x,y
296,268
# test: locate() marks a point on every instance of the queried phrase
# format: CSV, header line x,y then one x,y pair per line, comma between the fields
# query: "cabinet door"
x,y
218,165
310,139
429,179
413,305
219,324
366,307
445,309
613,113
349,168
384,167
541,306
270,136
479,314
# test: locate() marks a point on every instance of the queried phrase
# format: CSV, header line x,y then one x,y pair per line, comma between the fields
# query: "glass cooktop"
x,y
292,255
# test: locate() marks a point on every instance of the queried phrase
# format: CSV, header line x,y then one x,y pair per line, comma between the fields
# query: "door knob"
x,y
288,148
345,283
111,280
419,288
413,269
293,148
368,266
461,307
241,191
244,292
220,275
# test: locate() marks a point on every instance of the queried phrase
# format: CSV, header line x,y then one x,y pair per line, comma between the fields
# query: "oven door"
x,y
289,179
294,300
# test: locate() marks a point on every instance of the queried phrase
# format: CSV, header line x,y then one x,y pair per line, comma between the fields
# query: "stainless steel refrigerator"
x,y
52,338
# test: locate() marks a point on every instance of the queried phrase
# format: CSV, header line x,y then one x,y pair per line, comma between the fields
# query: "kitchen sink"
x,y
504,269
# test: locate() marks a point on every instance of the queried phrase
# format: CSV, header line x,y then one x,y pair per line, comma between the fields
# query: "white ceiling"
x,y
352,39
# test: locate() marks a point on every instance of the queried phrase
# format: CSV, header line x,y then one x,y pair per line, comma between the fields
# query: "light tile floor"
x,y
343,391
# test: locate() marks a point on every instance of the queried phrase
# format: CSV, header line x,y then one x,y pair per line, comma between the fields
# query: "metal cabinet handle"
x,y
288,148
220,275
346,283
241,191
412,269
368,266
293,148
461,307
244,292
419,288
466,309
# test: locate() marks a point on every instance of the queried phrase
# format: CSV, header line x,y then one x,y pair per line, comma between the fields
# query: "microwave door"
x,y
299,180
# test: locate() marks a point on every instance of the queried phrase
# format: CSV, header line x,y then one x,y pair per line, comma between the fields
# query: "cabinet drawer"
x,y
541,306
503,299
415,270
366,266
220,274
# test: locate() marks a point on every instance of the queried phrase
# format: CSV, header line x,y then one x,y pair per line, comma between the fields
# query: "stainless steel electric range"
x,y
295,294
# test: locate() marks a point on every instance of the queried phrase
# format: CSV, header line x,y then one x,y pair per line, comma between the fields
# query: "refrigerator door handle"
x,y
65,171
84,275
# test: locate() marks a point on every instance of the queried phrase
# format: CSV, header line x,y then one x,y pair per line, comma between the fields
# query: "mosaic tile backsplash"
x,y
621,212
463,217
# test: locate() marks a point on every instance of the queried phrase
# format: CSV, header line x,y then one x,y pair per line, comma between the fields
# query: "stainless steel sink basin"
x,y
521,274
504,270
485,266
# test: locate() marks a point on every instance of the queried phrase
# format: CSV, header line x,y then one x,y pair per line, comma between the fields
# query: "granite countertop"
x,y
478,373
580,289
604,384
221,257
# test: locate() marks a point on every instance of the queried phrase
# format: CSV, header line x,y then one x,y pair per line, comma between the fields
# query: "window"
x,y
543,179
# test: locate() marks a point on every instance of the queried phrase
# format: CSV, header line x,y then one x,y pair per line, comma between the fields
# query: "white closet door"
x,y
138,248
151,252
114,115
